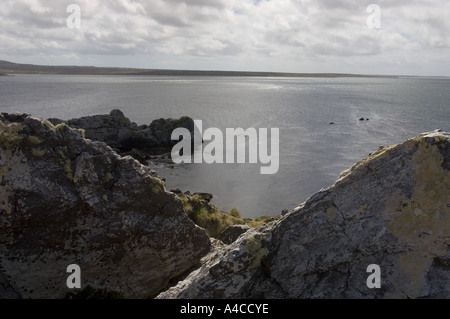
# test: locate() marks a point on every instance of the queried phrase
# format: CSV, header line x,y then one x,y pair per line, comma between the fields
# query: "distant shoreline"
x,y
16,68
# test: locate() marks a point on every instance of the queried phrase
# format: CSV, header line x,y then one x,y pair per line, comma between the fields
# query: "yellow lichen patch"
x,y
47,123
68,169
66,163
60,126
109,176
11,127
9,137
412,268
34,140
83,132
427,208
37,152
3,171
9,141
156,189
255,250
331,213
424,219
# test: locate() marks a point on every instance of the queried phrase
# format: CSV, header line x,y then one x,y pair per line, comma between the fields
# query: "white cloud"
x,y
294,35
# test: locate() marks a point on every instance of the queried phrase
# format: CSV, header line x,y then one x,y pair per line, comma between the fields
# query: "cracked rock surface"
x,y
391,209
68,200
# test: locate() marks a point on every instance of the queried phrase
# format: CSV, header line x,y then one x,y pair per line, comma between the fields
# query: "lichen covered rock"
x,y
68,200
391,209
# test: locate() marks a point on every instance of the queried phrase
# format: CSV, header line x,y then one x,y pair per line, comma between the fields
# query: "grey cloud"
x,y
247,31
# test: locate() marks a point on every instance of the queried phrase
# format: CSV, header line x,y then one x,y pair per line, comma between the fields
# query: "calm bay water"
x,y
312,152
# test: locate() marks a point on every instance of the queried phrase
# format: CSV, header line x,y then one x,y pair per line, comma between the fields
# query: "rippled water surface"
x,y
312,152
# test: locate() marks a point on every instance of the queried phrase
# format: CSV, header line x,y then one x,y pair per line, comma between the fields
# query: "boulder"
x,y
162,129
391,210
69,200
231,233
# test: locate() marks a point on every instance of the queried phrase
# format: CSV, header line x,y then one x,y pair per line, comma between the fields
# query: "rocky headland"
x,y
142,142
67,197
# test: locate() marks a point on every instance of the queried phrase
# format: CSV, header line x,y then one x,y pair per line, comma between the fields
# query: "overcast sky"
x,y
250,35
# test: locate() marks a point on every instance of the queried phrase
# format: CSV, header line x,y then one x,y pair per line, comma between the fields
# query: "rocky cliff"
x,y
391,209
68,200
128,138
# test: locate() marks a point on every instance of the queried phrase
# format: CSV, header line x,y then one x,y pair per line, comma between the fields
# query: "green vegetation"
x,y
259,221
197,206
158,185
235,212
206,215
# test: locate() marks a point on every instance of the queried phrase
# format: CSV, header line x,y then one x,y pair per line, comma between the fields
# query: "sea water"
x,y
312,152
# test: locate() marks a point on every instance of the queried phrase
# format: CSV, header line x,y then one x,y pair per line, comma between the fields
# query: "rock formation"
x,y
68,200
391,209
232,233
127,137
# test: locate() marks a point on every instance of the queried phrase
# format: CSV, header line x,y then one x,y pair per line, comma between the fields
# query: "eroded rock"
x,y
68,200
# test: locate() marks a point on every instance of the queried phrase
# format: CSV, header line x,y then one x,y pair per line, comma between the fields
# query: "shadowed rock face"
x,y
391,209
127,137
68,200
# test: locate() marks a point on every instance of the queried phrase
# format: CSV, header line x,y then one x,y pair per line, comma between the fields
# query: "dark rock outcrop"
x,y
68,200
391,209
126,137
232,233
